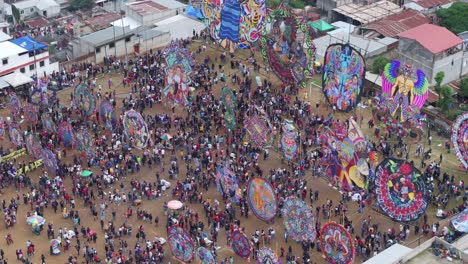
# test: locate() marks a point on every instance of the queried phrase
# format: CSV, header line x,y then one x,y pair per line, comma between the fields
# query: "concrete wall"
x,y
450,65
329,5
410,51
153,43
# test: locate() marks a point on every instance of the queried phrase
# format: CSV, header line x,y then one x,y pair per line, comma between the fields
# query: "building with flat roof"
x,y
428,6
362,14
149,12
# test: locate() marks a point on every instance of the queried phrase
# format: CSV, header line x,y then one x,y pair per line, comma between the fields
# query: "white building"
x,y
31,8
27,56
149,12
180,26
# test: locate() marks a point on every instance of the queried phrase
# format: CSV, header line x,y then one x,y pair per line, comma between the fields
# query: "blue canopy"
x,y
29,43
196,13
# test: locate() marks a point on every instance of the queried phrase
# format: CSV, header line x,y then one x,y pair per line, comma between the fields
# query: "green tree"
x,y
299,4
464,88
454,17
82,4
379,64
439,78
445,99
16,14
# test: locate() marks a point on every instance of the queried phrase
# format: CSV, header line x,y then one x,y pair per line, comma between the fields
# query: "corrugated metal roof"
x,y
434,38
368,13
105,36
428,4
393,25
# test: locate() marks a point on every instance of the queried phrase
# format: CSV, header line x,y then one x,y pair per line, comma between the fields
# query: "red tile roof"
x,y
432,96
102,21
147,7
38,22
393,25
428,4
434,38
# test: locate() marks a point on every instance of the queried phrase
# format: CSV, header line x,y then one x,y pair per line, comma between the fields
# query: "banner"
x,y
30,167
13,155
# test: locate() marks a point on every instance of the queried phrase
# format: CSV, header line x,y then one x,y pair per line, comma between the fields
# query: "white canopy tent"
x,y
17,79
3,84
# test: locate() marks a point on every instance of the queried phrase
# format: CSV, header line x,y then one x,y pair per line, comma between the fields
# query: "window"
x,y
98,49
127,39
5,61
31,67
22,12
31,10
41,64
112,45
22,70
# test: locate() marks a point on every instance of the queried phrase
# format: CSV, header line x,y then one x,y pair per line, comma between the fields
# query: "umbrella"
x,y
166,136
174,204
86,173
36,220
55,242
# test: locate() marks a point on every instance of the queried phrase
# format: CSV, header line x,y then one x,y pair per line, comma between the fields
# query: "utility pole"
x,y
125,38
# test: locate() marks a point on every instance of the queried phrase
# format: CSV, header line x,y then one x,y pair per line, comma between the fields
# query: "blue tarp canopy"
x,y
29,43
196,13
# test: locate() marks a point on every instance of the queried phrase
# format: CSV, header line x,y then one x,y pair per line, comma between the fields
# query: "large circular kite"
x,y
460,138
287,47
401,191
205,256
211,11
107,114
230,104
14,104
337,244
289,145
241,244
181,244
343,78
258,127
15,134
84,142
33,145
252,18
135,128
48,123
66,134
262,199
178,69
84,98
298,220
227,184
49,160
267,255
30,113
404,94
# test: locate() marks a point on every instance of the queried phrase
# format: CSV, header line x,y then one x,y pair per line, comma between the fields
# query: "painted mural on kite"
x,y
33,145
230,105
66,134
14,104
267,256
343,78
16,137
298,220
227,183
205,256
289,145
241,244
460,139
401,192
252,19
179,63
211,10
85,143
181,244
287,47
262,199
108,116
2,127
337,244
404,94
48,123
258,127
49,160
30,113
84,99
135,129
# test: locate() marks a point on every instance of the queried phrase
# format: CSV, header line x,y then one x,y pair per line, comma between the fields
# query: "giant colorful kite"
x,y
241,244
30,113
181,244
337,244
401,192
205,256
258,127
402,92
460,222
267,255
135,128
33,145
84,99
211,11
230,104
66,134
15,134
48,123
14,104
460,138
179,63
287,47
227,183
262,199
85,143
289,144
107,114
343,78
49,160
298,220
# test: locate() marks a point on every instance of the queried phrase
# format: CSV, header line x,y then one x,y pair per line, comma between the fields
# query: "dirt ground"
x,y
22,232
